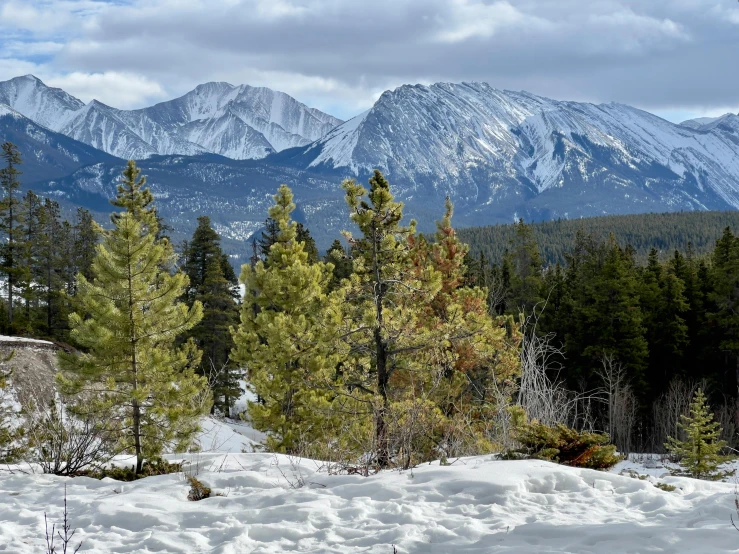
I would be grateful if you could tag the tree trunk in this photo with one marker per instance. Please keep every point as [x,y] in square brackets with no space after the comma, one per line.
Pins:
[137,436]
[383,448]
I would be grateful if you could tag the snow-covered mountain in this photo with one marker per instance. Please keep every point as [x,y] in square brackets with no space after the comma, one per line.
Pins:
[498,154]
[495,151]
[46,154]
[239,122]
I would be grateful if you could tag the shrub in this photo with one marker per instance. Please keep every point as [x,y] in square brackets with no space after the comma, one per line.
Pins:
[65,445]
[198,491]
[562,444]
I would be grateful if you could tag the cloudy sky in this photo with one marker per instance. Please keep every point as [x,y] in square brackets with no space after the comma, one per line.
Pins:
[677,58]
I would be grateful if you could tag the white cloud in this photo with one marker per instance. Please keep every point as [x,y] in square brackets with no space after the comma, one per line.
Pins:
[474,19]
[340,55]
[16,48]
[120,90]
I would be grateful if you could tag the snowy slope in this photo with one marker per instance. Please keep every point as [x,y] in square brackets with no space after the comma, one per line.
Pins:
[46,154]
[473,506]
[477,143]
[44,105]
[240,122]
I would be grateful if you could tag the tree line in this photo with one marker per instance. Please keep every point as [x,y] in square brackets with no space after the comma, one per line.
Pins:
[669,324]
[664,231]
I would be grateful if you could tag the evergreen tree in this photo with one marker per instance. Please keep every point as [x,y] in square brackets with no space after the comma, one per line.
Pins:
[127,322]
[286,338]
[213,284]
[412,329]
[338,257]
[524,291]
[725,296]
[204,247]
[55,250]
[31,207]
[477,352]
[11,225]
[699,454]
[268,237]
[604,315]
[86,237]
[663,306]
[309,245]
[213,336]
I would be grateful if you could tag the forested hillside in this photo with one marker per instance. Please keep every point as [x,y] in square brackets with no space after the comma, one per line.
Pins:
[665,232]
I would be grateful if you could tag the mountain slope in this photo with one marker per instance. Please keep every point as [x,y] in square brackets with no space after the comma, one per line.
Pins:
[501,153]
[240,122]
[46,154]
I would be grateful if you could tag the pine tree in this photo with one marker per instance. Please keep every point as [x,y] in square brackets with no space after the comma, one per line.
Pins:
[53,252]
[302,233]
[699,454]
[86,237]
[385,295]
[286,336]
[268,237]
[11,224]
[474,352]
[338,257]
[127,321]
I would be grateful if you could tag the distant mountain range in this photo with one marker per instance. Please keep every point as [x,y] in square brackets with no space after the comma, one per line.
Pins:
[221,150]
[237,122]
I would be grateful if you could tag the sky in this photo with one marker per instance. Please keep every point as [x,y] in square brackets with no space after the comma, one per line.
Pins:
[675,58]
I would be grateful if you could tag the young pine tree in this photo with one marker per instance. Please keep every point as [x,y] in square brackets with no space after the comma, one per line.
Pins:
[286,338]
[699,454]
[127,320]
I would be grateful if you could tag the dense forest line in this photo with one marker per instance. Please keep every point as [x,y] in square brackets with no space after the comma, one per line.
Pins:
[651,332]
[665,232]
[392,342]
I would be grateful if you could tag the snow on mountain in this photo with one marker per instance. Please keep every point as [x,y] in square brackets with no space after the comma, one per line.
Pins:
[7,110]
[46,154]
[239,122]
[99,125]
[45,105]
[476,143]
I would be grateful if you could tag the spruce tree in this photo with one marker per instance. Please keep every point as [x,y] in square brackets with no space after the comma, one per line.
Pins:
[213,284]
[127,320]
[342,262]
[700,453]
[86,237]
[725,296]
[11,224]
[268,237]
[524,261]
[286,338]
[309,245]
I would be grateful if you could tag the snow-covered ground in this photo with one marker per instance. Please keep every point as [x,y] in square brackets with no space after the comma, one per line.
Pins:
[269,504]
[476,505]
